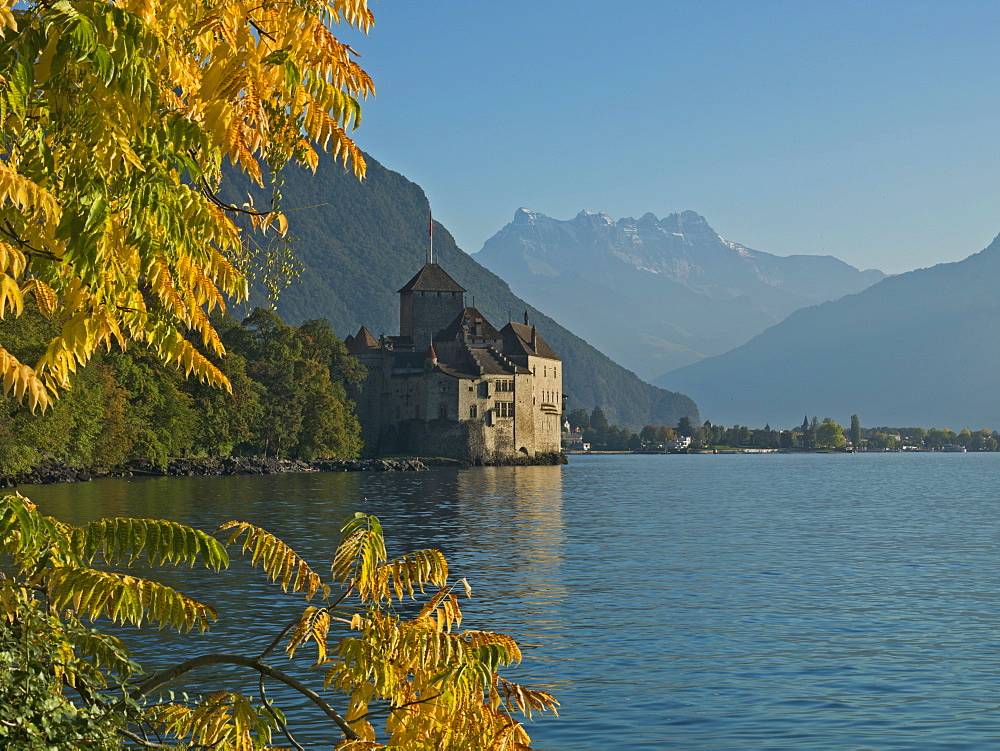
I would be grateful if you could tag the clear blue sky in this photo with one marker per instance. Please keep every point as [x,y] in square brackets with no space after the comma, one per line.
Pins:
[865,130]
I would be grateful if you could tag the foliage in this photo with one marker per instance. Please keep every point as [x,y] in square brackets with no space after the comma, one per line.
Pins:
[855,431]
[436,687]
[830,435]
[117,117]
[304,373]
[128,405]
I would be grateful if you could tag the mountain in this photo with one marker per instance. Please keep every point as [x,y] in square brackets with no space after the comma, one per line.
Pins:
[918,349]
[359,242]
[657,294]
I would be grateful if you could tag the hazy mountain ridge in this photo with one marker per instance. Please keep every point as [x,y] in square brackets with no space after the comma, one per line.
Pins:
[914,349]
[359,242]
[656,294]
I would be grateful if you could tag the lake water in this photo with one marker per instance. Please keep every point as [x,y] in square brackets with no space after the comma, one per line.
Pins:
[689,602]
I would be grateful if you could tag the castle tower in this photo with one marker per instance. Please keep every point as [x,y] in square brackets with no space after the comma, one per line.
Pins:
[428,303]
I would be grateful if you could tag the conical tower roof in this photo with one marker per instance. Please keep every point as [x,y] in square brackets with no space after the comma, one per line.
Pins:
[363,343]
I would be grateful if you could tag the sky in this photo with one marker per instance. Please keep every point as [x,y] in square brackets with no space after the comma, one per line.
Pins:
[865,130]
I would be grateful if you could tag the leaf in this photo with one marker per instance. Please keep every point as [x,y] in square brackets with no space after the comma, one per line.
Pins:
[280,563]
[125,599]
[124,540]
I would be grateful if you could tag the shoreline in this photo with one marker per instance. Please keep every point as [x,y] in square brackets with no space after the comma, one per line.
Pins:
[53,471]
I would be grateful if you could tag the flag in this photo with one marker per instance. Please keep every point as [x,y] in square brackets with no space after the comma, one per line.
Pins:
[430,230]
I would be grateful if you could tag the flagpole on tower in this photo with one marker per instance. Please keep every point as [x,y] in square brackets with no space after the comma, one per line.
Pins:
[430,231]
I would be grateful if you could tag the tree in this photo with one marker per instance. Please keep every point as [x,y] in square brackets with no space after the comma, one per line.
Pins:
[116,120]
[438,688]
[829,434]
[684,426]
[579,418]
[855,432]
[598,421]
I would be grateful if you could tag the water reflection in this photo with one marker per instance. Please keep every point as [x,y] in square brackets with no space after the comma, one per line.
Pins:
[513,519]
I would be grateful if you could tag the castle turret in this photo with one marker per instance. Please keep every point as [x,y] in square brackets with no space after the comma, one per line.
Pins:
[428,303]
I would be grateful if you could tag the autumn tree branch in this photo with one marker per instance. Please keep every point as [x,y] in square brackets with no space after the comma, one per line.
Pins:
[218,658]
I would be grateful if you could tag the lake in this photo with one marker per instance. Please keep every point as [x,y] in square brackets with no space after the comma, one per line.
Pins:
[691,602]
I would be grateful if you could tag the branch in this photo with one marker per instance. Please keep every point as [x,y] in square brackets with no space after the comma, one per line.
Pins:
[218,658]
[8,230]
[210,195]
[394,709]
[142,741]
[277,719]
[259,30]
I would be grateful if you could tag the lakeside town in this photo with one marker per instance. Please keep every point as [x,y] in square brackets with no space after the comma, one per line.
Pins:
[585,432]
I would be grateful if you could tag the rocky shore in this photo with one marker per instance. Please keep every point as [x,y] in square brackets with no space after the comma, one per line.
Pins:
[53,471]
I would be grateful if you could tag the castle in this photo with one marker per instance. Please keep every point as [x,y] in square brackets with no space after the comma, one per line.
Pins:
[452,385]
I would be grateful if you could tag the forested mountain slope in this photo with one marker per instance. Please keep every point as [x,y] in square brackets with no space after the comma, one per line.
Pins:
[360,242]
[921,348]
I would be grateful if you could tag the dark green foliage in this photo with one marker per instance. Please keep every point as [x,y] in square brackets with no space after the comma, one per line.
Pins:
[289,399]
[45,718]
[684,426]
[304,372]
[579,418]
[360,242]
[855,431]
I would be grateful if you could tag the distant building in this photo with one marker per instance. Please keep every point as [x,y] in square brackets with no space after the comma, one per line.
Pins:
[450,384]
[572,438]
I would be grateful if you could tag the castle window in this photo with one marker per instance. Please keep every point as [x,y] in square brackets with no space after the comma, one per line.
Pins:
[503,409]
[443,412]
[473,412]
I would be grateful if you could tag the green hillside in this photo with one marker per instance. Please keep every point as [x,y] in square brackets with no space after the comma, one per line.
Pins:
[360,242]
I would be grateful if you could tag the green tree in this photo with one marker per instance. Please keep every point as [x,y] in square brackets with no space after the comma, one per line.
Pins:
[228,419]
[160,415]
[684,427]
[935,439]
[598,421]
[579,418]
[855,432]
[829,434]
[649,435]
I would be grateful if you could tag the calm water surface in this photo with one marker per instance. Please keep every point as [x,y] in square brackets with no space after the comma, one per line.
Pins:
[689,602]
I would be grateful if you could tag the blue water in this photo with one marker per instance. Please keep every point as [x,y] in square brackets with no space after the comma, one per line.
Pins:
[689,602]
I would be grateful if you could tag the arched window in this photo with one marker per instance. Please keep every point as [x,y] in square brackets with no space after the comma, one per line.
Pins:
[473,412]
[443,411]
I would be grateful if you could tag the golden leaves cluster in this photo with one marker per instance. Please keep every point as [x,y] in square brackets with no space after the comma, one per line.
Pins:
[116,116]
[55,587]
[433,686]
[437,688]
